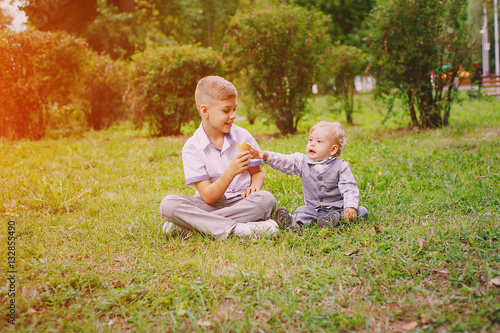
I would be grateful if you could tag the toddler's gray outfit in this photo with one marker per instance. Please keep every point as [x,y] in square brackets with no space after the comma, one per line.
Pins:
[328,185]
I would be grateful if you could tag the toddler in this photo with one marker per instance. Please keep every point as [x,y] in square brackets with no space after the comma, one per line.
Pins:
[330,190]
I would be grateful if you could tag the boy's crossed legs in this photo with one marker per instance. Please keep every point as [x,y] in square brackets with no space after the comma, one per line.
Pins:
[223,218]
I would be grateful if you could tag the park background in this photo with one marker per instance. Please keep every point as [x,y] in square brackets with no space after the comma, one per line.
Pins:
[97,101]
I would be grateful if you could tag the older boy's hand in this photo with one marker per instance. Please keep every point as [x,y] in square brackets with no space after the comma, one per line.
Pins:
[239,163]
[350,213]
[249,191]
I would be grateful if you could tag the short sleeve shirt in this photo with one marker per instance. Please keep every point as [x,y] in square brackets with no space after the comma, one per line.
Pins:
[203,160]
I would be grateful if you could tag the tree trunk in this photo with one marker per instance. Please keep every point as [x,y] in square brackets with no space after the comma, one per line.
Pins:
[411,107]
[284,122]
[350,98]
[449,99]
[430,116]
[346,91]
[95,120]
[447,106]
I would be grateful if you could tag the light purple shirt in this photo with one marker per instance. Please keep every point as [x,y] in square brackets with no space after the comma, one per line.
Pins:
[203,160]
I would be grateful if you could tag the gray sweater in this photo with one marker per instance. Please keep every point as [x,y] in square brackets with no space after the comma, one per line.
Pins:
[326,184]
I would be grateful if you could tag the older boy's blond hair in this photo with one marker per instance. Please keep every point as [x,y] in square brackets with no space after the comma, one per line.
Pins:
[336,131]
[211,89]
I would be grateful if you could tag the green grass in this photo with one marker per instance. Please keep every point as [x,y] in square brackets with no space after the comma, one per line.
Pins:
[90,252]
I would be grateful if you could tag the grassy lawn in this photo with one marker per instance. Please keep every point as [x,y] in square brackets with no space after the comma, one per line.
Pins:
[90,255]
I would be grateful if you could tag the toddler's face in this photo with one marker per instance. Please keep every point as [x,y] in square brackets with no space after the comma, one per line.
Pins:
[320,145]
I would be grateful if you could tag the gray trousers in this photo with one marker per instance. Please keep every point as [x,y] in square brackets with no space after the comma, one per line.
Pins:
[219,219]
[308,215]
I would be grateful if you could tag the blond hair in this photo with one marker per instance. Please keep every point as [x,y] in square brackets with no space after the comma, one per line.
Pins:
[213,88]
[336,131]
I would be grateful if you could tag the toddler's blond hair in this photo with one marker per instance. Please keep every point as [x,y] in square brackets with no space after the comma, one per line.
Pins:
[211,89]
[336,131]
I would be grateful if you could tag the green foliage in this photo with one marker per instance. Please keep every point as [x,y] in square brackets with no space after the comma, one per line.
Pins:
[121,34]
[110,28]
[104,23]
[278,51]
[201,22]
[411,40]
[344,64]
[113,32]
[163,83]
[181,21]
[347,16]
[103,87]
[39,70]
[70,16]
[177,20]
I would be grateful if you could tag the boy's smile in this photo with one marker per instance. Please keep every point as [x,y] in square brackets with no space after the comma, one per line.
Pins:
[219,116]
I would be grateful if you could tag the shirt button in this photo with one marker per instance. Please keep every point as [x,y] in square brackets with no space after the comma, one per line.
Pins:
[320,189]
[321,200]
[320,178]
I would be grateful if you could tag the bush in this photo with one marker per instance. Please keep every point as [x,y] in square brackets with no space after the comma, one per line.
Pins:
[412,41]
[163,82]
[39,71]
[104,84]
[279,51]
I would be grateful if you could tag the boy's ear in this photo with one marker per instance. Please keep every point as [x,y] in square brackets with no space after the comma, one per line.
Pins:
[204,111]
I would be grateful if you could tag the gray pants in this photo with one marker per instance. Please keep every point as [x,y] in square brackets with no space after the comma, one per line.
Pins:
[308,215]
[219,219]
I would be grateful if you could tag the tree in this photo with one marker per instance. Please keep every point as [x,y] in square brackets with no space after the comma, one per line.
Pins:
[344,64]
[113,32]
[346,15]
[102,90]
[191,21]
[163,82]
[279,51]
[419,48]
[216,15]
[109,25]
[64,15]
[39,70]
[123,27]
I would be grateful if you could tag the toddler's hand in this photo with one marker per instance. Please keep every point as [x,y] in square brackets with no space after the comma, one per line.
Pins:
[261,155]
[350,214]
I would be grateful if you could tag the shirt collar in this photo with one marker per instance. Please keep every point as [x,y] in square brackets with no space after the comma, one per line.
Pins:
[205,140]
[328,160]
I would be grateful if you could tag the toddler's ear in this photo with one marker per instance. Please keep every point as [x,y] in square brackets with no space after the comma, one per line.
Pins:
[334,151]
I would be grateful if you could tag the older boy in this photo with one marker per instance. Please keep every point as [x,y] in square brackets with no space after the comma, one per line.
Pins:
[330,190]
[229,199]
